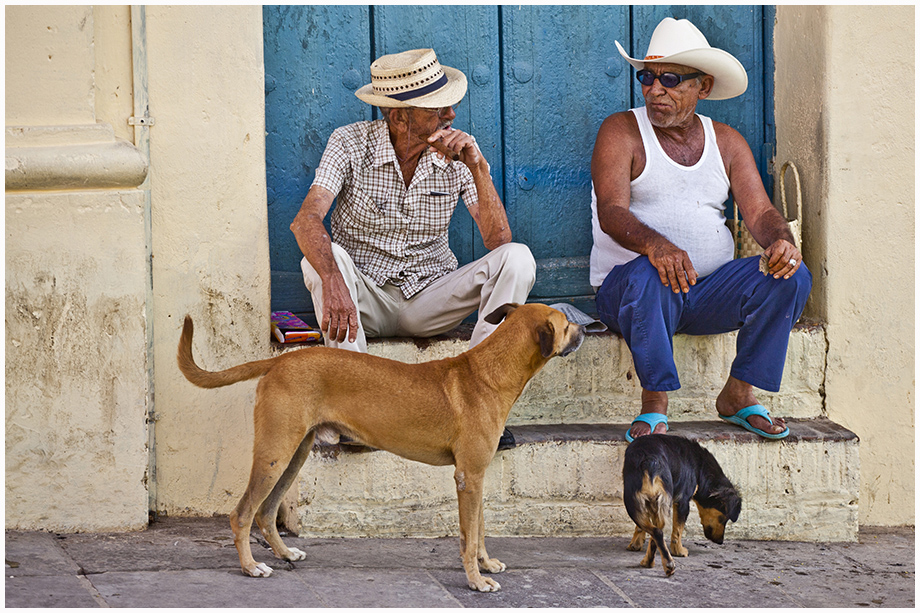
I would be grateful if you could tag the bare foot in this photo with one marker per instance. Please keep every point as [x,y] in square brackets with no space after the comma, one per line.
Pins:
[652,402]
[737,395]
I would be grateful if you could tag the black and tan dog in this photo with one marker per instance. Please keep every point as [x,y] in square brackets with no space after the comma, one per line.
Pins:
[661,474]
[443,412]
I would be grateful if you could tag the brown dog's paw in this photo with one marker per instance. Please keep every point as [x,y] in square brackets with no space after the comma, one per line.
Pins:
[485,585]
[491,565]
[259,570]
[294,555]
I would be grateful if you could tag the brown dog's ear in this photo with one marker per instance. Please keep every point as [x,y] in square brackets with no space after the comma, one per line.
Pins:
[496,316]
[547,338]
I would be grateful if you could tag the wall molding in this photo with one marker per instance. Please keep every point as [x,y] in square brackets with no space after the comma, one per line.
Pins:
[46,158]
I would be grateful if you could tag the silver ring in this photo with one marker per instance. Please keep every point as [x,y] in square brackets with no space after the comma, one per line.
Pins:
[792,262]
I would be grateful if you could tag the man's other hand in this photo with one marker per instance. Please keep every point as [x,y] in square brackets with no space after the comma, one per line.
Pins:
[783,259]
[674,267]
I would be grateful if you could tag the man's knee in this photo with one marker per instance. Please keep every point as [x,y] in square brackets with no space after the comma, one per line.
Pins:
[796,288]
[342,260]
[517,258]
[803,280]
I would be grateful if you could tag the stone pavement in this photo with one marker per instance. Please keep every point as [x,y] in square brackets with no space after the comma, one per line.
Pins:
[191,562]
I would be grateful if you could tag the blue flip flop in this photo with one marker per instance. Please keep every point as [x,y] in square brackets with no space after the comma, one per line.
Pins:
[652,419]
[740,419]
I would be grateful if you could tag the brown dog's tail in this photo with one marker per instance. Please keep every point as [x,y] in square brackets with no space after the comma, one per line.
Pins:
[208,379]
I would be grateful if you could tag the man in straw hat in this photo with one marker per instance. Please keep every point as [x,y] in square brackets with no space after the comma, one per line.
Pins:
[388,269]
[662,254]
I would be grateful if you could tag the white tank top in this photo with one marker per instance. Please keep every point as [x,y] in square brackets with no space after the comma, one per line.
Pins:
[685,204]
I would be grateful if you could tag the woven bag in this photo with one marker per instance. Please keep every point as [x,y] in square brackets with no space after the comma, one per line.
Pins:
[745,245]
[795,226]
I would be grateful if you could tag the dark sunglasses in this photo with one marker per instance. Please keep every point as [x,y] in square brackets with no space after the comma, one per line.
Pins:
[667,79]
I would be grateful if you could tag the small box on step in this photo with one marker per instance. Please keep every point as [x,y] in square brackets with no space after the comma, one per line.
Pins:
[288,328]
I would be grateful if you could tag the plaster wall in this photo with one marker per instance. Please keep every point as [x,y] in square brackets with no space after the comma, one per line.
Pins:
[76,371]
[850,128]
[210,243]
[50,51]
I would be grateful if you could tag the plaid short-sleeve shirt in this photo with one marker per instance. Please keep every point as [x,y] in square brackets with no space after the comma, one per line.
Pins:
[393,233]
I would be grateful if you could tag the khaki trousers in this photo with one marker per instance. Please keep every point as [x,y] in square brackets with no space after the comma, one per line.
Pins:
[505,274]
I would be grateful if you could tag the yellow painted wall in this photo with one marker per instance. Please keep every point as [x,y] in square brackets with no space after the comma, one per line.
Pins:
[210,238]
[76,383]
[849,125]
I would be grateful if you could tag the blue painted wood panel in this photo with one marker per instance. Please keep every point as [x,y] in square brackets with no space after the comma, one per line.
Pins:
[563,76]
[315,58]
[541,81]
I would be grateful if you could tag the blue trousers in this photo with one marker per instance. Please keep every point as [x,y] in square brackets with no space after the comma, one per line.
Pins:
[633,302]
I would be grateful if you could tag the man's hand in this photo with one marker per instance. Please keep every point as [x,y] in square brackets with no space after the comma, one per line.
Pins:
[674,266]
[783,259]
[340,316]
[461,143]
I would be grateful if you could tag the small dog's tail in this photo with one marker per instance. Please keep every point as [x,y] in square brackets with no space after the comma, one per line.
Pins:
[208,379]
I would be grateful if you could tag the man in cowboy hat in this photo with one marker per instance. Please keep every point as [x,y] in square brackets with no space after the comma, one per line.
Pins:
[662,255]
[387,270]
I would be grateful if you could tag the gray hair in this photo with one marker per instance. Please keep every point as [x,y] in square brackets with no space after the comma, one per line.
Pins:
[385,113]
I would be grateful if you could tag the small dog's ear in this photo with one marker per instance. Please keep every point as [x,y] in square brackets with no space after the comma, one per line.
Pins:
[496,316]
[547,338]
[732,503]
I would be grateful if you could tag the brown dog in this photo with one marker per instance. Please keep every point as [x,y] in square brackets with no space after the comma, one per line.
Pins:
[449,411]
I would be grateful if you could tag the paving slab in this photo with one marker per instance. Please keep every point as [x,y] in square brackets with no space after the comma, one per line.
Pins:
[192,563]
[349,587]
[539,587]
[177,544]
[36,553]
[49,591]
[202,588]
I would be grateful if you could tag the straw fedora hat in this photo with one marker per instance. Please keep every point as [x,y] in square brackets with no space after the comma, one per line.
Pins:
[680,42]
[413,78]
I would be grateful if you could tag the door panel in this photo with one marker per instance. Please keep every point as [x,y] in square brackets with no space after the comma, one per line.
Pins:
[541,81]
[563,76]
[315,57]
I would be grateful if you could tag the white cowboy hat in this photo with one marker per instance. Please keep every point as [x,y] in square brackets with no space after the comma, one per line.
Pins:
[413,78]
[680,42]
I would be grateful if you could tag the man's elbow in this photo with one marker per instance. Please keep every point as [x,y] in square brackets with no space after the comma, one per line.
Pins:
[297,226]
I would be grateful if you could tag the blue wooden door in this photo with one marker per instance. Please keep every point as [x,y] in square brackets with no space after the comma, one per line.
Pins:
[541,81]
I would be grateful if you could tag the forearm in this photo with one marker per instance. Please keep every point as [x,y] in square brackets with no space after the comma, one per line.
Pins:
[493,221]
[769,227]
[311,235]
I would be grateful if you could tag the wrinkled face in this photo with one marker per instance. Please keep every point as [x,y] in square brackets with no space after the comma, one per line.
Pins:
[426,121]
[713,522]
[674,106]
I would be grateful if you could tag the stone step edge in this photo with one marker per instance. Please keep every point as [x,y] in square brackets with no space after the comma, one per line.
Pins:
[463,333]
[817,429]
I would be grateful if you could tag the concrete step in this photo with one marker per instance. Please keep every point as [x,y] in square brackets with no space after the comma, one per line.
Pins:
[598,384]
[565,480]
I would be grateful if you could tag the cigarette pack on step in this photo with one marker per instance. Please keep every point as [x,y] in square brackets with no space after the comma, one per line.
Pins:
[288,328]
